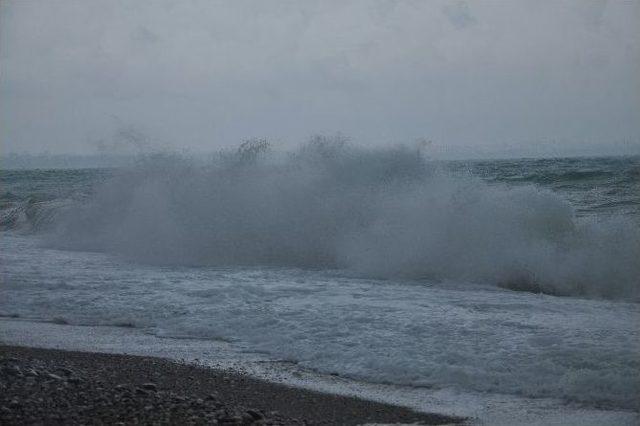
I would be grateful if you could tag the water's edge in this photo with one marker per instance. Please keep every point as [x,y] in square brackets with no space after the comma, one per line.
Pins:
[479,408]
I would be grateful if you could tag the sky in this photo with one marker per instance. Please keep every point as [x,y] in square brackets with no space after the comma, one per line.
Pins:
[477,78]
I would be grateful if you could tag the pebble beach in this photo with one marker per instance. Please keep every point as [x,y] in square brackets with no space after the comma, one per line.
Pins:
[54,387]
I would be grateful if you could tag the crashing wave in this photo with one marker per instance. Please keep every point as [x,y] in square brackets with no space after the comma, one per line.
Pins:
[380,213]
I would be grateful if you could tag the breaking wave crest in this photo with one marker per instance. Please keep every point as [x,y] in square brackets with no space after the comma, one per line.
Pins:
[379,213]
[29,215]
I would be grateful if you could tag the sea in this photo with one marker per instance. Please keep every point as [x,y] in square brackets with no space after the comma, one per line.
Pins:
[506,291]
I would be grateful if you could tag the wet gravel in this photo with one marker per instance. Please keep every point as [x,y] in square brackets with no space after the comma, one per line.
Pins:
[53,387]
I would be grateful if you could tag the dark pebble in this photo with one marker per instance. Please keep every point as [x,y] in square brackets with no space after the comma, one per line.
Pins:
[65,371]
[53,376]
[150,386]
[255,415]
[12,370]
[31,372]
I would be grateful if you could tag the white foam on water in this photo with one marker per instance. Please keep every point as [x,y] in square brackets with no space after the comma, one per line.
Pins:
[491,348]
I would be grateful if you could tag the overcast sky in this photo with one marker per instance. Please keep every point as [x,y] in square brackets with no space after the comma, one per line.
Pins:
[481,76]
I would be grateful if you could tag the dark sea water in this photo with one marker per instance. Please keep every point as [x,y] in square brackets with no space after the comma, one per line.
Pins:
[515,277]
[592,185]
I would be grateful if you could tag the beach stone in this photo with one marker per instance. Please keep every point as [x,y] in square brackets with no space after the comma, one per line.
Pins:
[255,415]
[12,370]
[31,372]
[150,386]
[65,371]
[53,376]
[247,418]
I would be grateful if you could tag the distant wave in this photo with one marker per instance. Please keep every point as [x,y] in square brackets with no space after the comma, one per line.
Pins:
[564,176]
[378,213]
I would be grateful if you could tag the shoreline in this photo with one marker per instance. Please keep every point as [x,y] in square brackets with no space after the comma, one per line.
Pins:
[54,386]
[474,408]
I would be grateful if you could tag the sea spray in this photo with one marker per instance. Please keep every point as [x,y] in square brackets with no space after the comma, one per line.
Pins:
[383,212]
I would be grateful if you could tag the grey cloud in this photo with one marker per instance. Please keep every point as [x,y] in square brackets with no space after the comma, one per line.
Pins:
[207,74]
[144,35]
[459,14]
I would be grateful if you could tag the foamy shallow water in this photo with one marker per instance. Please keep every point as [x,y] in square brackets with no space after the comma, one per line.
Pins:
[548,356]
